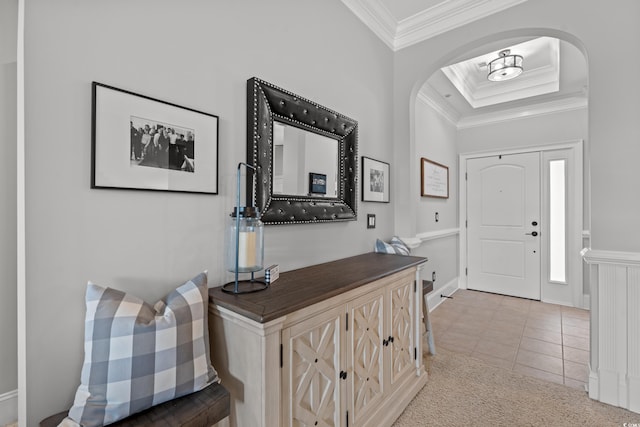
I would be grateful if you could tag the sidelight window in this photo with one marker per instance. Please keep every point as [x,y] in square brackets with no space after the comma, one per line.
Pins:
[557,221]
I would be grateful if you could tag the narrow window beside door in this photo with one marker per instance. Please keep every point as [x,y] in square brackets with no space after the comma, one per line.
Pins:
[557,221]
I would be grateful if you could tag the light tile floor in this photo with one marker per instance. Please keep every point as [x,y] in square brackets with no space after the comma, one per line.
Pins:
[542,340]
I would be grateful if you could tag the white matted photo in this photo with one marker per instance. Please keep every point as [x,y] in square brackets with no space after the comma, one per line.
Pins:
[375,180]
[144,143]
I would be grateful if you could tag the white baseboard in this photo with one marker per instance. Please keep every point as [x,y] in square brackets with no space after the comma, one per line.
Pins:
[593,385]
[8,407]
[435,298]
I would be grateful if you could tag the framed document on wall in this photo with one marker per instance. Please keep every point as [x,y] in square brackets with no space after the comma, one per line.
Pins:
[434,179]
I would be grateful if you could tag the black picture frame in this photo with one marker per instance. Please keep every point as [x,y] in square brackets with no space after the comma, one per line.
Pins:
[375,180]
[317,183]
[142,143]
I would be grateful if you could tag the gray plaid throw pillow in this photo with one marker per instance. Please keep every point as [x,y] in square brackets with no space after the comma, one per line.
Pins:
[396,246]
[138,356]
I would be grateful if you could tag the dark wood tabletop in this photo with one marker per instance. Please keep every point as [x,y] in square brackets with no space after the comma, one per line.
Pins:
[297,289]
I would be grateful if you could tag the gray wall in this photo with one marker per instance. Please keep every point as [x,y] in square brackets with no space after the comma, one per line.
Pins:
[613,102]
[8,30]
[193,53]
[565,126]
[435,139]
[8,272]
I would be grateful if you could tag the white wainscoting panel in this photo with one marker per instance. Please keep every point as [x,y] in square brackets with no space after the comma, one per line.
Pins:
[615,331]
[435,298]
[633,344]
[8,407]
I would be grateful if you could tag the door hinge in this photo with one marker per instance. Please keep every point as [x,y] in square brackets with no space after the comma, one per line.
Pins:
[347,321]
[466,271]
[415,353]
[415,286]
[281,355]
[466,176]
[466,223]
[347,418]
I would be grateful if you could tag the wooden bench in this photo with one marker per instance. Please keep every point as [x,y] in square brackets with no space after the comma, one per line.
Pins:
[200,409]
[427,286]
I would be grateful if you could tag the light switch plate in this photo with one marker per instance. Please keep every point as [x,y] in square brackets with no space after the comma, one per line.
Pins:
[371,221]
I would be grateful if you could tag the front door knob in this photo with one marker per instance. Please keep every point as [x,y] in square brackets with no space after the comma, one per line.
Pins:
[533,233]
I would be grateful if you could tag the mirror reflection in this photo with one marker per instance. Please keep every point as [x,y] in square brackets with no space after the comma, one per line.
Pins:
[304,163]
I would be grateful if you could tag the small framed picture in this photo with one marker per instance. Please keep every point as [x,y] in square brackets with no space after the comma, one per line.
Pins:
[375,180]
[143,143]
[317,183]
[434,180]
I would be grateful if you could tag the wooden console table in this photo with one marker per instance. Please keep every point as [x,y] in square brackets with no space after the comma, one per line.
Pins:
[331,344]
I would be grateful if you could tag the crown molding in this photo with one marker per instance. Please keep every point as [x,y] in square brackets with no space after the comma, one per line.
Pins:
[430,97]
[444,17]
[428,23]
[377,17]
[551,107]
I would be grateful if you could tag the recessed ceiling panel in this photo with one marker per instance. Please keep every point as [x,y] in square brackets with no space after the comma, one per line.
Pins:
[541,74]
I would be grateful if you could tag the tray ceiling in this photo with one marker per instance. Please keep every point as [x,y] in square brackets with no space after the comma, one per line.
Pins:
[555,76]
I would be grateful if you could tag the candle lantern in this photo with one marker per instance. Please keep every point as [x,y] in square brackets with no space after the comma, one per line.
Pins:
[245,226]
[245,245]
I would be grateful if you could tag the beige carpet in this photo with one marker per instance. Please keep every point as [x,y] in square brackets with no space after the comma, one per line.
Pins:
[463,391]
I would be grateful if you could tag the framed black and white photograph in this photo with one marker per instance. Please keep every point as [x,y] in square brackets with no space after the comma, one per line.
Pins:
[143,143]
[434,179]
[317,183]
[375,180]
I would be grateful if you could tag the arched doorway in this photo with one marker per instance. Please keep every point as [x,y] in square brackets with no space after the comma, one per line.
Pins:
[498,133]
[557,118]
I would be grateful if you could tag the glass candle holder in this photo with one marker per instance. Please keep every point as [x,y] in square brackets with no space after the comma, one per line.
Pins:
[245,241]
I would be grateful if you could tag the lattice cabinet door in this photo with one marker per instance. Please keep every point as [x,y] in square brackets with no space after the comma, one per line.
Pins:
[312,367]
[401,307]
[365,342]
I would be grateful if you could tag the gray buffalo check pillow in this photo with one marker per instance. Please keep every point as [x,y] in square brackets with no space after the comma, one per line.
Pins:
[138,356]
[395,246]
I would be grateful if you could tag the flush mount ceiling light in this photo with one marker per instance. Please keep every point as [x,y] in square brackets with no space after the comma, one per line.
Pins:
[505,67]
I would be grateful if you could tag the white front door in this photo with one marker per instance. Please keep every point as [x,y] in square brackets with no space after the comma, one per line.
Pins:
[503,224]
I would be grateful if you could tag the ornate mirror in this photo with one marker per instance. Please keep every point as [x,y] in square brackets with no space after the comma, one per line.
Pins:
[305,158]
